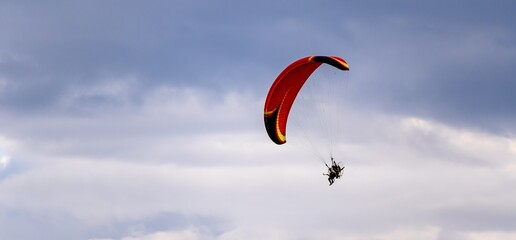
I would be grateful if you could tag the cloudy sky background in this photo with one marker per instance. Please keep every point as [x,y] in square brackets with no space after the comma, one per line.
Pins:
[143,120]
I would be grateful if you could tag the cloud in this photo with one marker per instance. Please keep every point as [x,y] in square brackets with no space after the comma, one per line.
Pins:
[168,123]
[401,173]
[4,161]
[184,235]
[405,60]
[6,146]
[145,121]
[491,235]
[452,73]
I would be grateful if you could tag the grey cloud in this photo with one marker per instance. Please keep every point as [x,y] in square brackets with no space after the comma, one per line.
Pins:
[137,100]
[476,217]
[205,43]
[168,123]
[63,226]
[457,75]
[66,45]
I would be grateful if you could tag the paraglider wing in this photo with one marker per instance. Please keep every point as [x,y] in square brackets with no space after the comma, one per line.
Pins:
[285,88]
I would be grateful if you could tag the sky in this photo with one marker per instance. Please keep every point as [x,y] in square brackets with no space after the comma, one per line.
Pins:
[144,120]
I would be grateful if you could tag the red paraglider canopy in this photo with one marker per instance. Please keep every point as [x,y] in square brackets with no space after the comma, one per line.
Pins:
[285,88]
